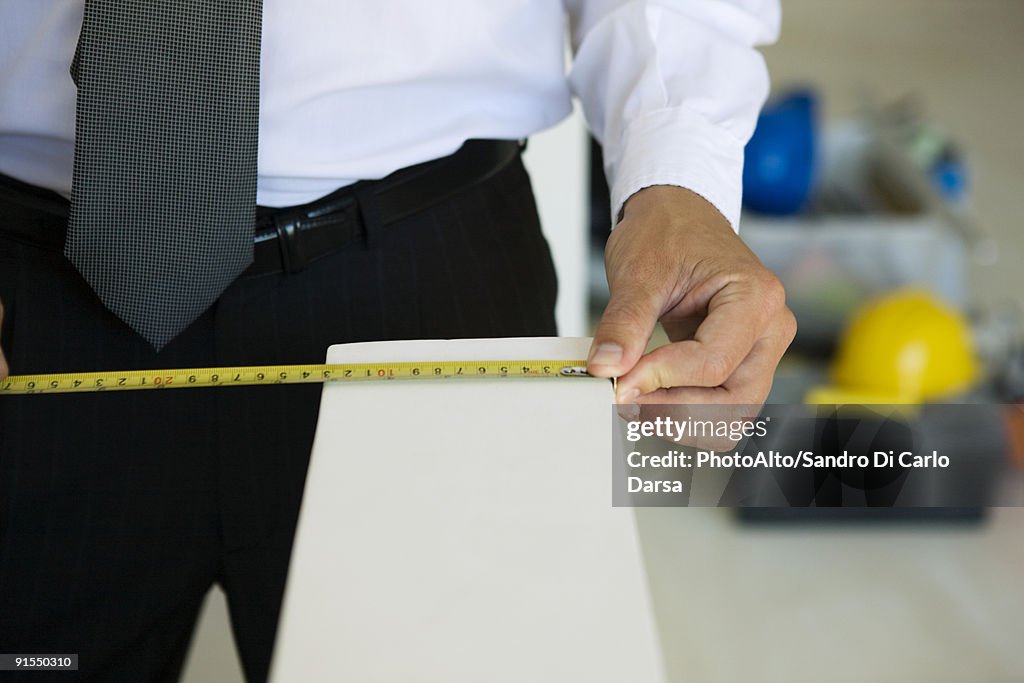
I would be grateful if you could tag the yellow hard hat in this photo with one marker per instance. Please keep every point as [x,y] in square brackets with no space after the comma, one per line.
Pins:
[906,347]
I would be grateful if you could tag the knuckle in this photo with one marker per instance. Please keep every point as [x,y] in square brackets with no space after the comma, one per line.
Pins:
[789,326]
[772,291]
[660,378]
[714,370]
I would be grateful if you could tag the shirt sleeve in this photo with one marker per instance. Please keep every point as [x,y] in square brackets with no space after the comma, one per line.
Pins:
[672,89]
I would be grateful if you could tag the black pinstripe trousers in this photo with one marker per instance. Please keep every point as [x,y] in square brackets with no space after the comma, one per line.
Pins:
[118,511]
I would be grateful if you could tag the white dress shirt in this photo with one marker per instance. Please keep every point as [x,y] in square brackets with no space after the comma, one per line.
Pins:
[355,89]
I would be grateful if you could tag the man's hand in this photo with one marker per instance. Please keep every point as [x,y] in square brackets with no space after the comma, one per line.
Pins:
[3,361]
[674,258]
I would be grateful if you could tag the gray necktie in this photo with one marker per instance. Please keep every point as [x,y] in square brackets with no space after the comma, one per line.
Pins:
[164,189]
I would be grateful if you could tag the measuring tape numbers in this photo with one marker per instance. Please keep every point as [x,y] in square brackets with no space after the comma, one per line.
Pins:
[189,378]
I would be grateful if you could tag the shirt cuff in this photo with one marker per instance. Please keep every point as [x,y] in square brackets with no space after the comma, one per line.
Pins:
[677,146]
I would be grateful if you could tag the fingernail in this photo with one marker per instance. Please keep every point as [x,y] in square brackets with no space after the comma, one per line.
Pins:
[606,354]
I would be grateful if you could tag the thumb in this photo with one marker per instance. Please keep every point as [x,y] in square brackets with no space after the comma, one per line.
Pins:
[624,330]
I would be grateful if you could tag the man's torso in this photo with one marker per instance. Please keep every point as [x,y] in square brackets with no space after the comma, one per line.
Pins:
[349,90]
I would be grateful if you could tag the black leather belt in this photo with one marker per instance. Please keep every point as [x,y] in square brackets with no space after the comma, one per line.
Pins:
[286,239]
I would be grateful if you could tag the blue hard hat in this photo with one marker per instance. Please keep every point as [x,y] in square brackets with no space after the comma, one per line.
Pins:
[779,160]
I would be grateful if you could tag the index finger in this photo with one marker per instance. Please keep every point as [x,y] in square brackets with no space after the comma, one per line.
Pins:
[734,323]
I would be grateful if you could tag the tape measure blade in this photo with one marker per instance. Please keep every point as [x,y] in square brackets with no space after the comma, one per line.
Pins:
[183,378]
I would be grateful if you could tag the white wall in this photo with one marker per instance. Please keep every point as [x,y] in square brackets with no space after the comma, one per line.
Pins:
[557,161]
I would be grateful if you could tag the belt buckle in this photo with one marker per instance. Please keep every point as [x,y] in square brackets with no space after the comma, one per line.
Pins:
[288,226]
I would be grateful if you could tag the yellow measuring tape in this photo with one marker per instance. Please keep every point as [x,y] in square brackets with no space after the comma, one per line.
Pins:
[186,378]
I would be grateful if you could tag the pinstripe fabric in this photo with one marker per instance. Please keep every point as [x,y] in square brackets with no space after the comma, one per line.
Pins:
[117,512]
[164,183]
